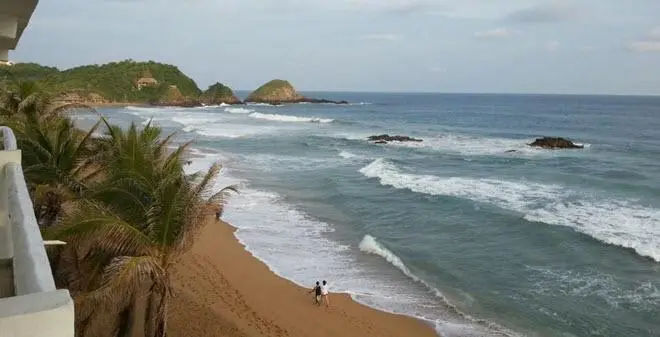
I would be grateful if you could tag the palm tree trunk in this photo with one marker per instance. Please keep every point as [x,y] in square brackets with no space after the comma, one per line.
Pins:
[139,318]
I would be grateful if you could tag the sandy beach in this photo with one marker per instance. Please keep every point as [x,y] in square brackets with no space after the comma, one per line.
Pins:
[222,290]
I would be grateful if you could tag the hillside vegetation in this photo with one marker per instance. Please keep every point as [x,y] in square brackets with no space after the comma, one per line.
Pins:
[275,91]
[219,93]
[115,81]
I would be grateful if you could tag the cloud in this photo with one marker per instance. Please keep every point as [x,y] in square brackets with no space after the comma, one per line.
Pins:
[391,6]
[438,70]
[553,45]
[383,37]
[497,33]
[651,44]
[655,33]
[542,13]
[645,46]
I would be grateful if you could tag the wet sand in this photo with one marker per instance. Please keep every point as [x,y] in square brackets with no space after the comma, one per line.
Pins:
[222,290]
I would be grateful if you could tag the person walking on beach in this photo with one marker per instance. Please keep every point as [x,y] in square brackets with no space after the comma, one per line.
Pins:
[324,294]
[317,293]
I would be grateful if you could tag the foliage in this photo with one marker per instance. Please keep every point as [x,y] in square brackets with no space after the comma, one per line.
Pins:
[271,87]
[123,204]
[144,213]
[27,71]
[114,81]
[217,92]
[54,152]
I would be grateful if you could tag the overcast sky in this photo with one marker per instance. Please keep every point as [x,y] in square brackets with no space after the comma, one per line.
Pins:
[501,46]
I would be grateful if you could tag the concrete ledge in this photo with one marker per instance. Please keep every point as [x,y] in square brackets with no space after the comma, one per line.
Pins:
[32,273]
[9,155]
[8,27]
[8,139]
[37,315]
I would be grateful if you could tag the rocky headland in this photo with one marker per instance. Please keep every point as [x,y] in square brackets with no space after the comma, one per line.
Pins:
[217,94]
[129,82]
[278,92]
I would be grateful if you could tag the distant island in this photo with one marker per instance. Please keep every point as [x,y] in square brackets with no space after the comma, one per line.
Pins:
[282,92]
[143,83]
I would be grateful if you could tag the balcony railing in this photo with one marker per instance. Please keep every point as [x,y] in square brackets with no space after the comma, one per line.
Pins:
[30,304]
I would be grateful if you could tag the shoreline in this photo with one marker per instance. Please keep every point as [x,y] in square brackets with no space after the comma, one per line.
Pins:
[221,289]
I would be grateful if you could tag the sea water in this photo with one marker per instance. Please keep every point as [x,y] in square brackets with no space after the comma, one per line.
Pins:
[471,230]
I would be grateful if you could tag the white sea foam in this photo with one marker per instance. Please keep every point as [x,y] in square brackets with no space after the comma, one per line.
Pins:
[287,118]
[475,146]
[555,281]
[468,145]
[141,109]
[238,110]
[270,163]
[296,246]
[348,155]
[618,222]
[217,125]
[234,130]
[264,104]
[371,246]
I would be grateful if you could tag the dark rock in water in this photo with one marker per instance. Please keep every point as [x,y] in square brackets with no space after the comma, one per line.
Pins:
[320,101]
[555,143]
[510,151]
[381,142]
[388,138]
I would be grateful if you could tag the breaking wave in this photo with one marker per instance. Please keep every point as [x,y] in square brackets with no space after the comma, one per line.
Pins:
[613,221]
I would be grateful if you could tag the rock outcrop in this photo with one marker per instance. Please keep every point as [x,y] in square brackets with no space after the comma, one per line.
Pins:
[217,94]
[555,143]
[173,97]
[282,92]
[383,139]
[275,92]
[80,97]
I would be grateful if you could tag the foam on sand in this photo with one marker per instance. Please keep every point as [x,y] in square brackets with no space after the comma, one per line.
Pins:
[618,222]
[295,246]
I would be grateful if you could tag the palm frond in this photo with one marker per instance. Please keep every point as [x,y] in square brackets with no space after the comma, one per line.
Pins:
[112,235]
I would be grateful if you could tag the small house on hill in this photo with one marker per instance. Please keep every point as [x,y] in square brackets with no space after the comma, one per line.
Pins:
[147,80]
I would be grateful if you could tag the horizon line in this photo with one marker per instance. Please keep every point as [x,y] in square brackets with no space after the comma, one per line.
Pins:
[468,93]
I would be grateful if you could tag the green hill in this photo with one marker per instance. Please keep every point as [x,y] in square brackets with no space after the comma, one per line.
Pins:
[115,81]
[219,93]
[275,91]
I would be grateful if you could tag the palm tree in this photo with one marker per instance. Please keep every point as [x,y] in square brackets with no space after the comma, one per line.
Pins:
[58,163]
[56,155]
[130,229]
[19,98]
[27,100]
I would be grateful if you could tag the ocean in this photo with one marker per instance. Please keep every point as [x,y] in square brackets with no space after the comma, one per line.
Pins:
[456,230]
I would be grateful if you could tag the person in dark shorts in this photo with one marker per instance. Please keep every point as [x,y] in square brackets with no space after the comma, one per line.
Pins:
[317,293]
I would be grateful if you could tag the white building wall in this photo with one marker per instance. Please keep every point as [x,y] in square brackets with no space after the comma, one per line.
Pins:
[39,309]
